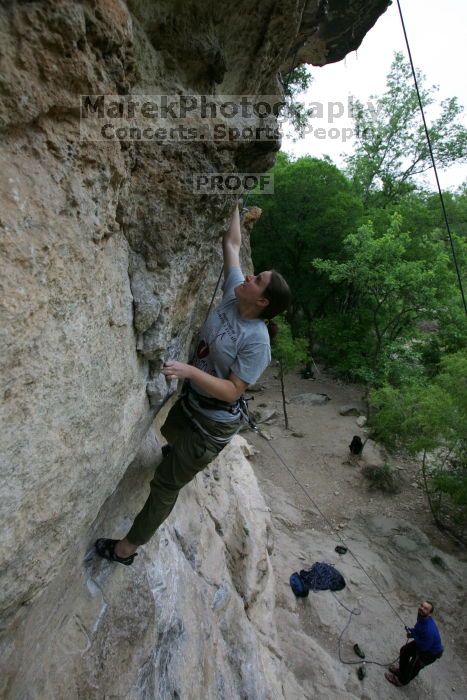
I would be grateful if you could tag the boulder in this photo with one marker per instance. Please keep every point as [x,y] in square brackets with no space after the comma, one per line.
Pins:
[256,388]
[310,399]
[349,410]
[374,454]
[263,414]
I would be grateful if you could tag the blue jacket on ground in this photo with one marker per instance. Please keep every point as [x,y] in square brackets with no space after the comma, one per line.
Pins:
[426,635]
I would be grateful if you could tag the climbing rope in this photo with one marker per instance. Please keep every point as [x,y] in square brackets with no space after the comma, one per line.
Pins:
[214,294]
[353,611]
[335,532]
[446,221]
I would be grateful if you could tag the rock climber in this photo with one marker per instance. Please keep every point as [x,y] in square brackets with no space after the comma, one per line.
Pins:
[422,651]
[233,351]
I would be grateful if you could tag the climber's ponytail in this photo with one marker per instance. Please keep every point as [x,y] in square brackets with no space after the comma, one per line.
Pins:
[278,294]
[273,330]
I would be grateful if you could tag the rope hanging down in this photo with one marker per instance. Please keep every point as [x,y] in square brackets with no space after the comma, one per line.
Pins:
[333,530]
[448,228]
[352,611]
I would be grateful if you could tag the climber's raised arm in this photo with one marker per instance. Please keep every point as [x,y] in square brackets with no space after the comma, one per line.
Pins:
[231,243]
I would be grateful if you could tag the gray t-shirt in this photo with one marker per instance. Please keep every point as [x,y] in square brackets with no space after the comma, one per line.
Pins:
[228,343]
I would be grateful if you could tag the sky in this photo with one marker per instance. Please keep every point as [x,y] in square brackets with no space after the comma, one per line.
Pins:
[437,33]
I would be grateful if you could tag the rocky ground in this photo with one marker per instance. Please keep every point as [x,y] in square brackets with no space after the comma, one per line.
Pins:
[317,498]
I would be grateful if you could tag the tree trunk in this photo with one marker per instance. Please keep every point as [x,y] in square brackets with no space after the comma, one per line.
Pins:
[284,408]
[427,490]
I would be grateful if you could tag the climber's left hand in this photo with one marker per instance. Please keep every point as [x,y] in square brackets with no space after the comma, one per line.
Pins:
[176,370]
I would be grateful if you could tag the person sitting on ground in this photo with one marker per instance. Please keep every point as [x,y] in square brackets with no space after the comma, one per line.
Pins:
[425,648]
[232,352]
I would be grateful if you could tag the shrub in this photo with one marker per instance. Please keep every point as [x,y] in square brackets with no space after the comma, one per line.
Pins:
[382,478]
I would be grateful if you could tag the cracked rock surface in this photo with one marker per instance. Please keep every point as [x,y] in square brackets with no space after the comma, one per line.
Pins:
[192,617]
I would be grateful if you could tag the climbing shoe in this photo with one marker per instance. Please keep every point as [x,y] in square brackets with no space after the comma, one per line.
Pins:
[106,549]
[361,672]
[358,651]
[392,679]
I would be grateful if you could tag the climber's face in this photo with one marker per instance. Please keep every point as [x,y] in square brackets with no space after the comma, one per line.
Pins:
[252,289]
[425,609]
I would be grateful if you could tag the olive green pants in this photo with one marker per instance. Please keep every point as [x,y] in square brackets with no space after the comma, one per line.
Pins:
[191,452]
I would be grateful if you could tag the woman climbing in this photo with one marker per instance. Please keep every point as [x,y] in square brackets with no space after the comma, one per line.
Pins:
[233,351]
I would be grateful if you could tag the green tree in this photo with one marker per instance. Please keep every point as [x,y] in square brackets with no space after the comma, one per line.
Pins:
[289,352]
[382,290]
[296,112]
[391,142]
[421,211]
[431,418]
[422,219]
[312,210]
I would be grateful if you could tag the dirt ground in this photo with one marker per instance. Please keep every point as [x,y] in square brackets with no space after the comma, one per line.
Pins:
[320,459]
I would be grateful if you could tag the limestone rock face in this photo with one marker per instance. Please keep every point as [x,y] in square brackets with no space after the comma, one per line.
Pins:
[109,259]
[193,617]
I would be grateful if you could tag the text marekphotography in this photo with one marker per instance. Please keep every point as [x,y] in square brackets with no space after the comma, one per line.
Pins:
[217,118]
[181,118]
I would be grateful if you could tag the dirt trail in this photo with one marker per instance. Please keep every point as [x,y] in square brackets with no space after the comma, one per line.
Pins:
[320,459]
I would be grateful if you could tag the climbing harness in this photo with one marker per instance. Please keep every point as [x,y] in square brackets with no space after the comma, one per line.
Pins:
[214,439]
[209,402]
[239,408]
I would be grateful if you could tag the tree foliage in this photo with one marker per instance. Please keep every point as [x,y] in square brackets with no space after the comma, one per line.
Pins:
[384,290]
[391,143]
[371,271]
[312,210]
[296,113]
[425,415]
[431,418]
